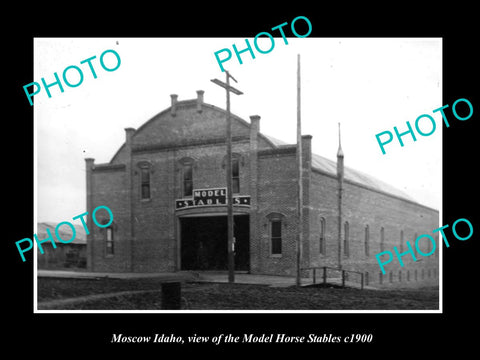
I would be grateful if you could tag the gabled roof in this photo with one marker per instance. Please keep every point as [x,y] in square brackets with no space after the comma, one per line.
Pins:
[319,163]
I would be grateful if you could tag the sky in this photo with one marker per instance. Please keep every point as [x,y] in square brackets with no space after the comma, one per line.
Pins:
[369,85]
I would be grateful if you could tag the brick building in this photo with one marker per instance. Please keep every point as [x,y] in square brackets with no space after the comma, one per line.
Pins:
[166,189]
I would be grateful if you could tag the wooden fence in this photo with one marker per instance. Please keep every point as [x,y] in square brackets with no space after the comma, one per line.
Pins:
[344,274]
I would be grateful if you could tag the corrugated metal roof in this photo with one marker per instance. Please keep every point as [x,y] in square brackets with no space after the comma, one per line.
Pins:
[330,167]
[275,141]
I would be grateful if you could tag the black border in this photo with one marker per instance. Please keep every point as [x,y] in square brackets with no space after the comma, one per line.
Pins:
[91,333]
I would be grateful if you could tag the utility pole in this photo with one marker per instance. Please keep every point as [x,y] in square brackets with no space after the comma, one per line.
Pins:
[340,175]
[231,254]
[300,178]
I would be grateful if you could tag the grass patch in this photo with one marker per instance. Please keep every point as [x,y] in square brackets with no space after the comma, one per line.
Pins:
[61,288]
[207,296]
[254,297]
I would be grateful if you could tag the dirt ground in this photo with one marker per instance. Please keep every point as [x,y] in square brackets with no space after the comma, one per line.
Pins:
[214,296]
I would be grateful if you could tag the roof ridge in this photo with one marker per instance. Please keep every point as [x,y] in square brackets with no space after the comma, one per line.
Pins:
[358,176]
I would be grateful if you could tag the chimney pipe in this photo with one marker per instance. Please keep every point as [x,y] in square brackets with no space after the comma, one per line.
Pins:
[128,134]
[200,100]
[255,122]
[173,110]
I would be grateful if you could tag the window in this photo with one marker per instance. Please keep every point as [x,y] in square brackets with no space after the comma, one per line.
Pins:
[186,166]
[187,179]
[237,160]
[367,240]
[401,241]
[416,235]
[346,240]
[322,245]
[145,182]
[429,246]
[235,175]
[276,236]
[144,169]
[109,242]
[274,225]
[382,239]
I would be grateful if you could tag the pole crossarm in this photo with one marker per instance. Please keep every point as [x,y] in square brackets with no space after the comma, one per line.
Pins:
[227,87]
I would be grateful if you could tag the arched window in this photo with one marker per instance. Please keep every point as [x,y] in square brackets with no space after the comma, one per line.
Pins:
[367,240]
[382,239]
[276,220]
[429,247]
[187,179]
[321,240]
[401,241]
[109,248]
[346,239]
[145,170]
[235,175]
[237,161]
[186,182]
[276,236]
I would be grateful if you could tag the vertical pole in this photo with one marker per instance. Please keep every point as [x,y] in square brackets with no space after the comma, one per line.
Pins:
[90,245]
[314,273]
[361,281]
[231,260]
[340,193]
[324,275]
[343,278]
[300,185]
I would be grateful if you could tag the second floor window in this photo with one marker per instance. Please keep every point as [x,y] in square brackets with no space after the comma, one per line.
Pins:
[382,239]
[187,179]
[235,175]
[145,183]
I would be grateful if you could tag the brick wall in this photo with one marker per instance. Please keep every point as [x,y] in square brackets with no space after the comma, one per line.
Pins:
[146,232]
[396,216]
[277,193]
[109,190]
[362,207]
[147,235]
